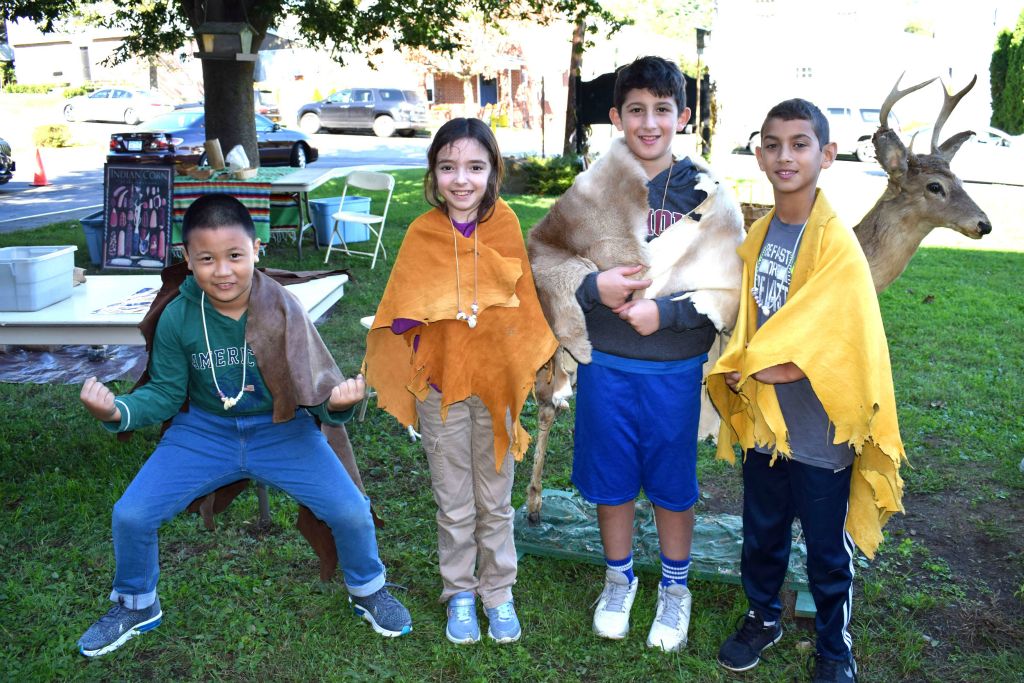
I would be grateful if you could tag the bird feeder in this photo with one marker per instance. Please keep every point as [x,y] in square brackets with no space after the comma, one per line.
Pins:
[226,40]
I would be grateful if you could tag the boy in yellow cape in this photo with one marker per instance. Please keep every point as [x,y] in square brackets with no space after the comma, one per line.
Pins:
[805,388]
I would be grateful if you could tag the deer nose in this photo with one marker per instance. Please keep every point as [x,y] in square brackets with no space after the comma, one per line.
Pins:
[984,228]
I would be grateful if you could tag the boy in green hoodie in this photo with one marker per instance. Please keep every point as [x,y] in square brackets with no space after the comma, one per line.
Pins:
[201,354]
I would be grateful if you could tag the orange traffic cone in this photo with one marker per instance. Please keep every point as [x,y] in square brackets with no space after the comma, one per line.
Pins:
[40,177]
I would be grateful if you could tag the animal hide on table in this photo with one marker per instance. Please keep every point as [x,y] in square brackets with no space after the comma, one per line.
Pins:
[601,222]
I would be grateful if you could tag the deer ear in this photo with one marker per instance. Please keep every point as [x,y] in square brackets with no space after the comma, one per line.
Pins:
[890,152]
[950,147]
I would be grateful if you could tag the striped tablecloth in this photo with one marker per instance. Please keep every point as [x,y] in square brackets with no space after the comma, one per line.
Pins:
[254,193]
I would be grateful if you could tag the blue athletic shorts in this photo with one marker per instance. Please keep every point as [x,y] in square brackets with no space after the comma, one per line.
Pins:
[636,427]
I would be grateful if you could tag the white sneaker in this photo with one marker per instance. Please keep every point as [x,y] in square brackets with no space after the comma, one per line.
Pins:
[611,618]
[672,620]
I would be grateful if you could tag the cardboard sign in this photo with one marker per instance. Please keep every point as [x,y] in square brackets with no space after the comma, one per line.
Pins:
[137,210]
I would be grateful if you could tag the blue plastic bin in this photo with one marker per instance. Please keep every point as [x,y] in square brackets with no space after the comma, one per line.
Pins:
[92,225]
[323,209]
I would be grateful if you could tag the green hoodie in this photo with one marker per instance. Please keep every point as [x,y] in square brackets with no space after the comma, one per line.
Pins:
[179,368]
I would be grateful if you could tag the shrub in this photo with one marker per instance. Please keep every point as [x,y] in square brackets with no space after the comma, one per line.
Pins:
[83,89]
[36,89]
[52,135]
[534,175]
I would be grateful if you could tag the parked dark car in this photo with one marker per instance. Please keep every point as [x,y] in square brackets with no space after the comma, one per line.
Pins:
[264,103]
[382,110]
[6,162]
[180,134]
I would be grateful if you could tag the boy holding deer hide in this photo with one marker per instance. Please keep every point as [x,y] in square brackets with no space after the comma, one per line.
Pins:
[805,388]
[638,212]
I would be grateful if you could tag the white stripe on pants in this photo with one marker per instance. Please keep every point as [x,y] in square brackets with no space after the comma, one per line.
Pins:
[476,549]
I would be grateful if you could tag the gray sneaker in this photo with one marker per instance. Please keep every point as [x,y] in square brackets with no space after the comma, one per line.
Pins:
[503,624]
[463,627]
[385,613]
[117,627]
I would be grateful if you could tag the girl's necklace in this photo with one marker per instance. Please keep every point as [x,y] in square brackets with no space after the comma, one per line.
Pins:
[474,309]
[229,402]
[789,271]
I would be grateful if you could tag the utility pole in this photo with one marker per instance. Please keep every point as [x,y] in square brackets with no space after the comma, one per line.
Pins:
[701,35]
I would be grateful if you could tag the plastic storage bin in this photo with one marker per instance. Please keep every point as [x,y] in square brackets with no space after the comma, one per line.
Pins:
[92,226]
[35,277]
[322,209]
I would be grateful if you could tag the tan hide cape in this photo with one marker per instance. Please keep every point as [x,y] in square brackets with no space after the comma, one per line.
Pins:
[496,361]
[830,327]
[601,222]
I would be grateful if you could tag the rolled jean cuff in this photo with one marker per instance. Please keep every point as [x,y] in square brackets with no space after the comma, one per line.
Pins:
[139,601]
[368,588]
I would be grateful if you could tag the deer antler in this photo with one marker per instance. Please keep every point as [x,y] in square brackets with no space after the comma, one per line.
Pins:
[949,103]
[895,96]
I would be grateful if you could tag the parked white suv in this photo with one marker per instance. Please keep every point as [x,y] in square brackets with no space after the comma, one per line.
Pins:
[850,128]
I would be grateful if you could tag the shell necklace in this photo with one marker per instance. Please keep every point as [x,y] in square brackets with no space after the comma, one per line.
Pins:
[474,309]
[229,402]
[789,271]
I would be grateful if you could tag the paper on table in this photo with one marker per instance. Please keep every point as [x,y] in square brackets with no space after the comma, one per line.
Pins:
[138,302]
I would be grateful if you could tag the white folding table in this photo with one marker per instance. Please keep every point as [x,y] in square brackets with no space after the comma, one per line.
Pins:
[300,183]
[75,320]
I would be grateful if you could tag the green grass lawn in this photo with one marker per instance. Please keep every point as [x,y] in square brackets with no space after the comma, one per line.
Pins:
[246,604]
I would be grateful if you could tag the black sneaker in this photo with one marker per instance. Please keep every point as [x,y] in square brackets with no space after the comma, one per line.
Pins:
[742,650]
[117,627]
[385,613]
[833,671]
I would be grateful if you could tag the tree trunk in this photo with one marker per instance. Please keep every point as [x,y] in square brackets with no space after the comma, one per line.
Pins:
[575,63]
[229,106]
[468,101]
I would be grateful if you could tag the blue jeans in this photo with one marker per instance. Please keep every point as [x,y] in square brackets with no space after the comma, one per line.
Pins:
[202,452]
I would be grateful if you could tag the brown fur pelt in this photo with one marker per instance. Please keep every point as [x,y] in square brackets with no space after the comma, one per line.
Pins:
[601,222]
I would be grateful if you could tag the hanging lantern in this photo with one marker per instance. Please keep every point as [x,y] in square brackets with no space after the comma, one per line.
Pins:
[228,40]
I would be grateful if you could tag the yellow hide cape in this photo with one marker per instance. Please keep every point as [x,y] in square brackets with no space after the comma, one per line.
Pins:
[497,360]
[831,328]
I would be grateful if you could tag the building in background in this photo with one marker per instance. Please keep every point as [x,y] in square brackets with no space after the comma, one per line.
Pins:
[849,53]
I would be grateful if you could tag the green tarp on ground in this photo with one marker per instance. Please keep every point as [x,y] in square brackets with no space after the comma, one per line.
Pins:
[568,530]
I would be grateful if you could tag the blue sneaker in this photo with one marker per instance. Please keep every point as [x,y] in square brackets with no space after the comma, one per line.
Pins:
[117,627]
[385,613]
[503,626]
[463,627]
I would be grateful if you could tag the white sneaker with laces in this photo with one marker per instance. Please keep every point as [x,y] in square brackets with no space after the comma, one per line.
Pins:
[672,620]
[611,618]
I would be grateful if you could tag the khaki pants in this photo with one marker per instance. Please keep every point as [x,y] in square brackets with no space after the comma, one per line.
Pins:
[475,547]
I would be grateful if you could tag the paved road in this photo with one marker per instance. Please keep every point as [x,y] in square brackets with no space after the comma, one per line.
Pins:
[76,179]
[76,174]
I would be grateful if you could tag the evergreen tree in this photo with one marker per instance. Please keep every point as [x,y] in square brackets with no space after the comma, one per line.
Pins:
[1006,75]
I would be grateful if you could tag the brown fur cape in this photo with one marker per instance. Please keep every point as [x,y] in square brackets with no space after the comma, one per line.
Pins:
[601,222]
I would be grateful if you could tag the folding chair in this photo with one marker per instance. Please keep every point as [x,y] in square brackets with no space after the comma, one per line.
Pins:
[364,180]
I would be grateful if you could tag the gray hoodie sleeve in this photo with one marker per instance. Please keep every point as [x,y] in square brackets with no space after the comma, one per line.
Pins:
[587,295]
[679,316]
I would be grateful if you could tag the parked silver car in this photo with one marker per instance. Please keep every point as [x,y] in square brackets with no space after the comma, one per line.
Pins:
[116,104]
[382,110]
[989,156]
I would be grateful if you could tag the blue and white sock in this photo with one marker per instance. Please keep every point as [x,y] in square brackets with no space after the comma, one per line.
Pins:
[624,567]
[674,571]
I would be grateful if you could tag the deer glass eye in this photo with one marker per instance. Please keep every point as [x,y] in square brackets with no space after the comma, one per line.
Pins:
[936,188]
